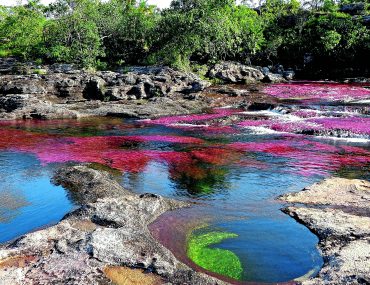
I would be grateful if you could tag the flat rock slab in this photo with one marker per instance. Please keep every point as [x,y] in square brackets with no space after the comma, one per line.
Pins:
[350,194]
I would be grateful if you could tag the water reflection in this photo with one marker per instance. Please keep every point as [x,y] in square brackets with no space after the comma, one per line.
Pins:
[28,200]
[11,203]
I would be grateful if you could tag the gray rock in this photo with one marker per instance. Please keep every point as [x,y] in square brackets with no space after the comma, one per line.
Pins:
[338,212]
[265,70]
[353,8]
[235,72]
[273,78]
[289,74]
[77,94]
[87,184]
[21,86]
[94,89]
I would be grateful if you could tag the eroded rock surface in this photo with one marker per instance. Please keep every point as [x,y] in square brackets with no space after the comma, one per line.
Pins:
[340,193]
[338,213]
[103,233]
[61,91]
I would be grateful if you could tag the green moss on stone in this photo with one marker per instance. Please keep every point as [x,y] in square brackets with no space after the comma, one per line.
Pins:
[218,260]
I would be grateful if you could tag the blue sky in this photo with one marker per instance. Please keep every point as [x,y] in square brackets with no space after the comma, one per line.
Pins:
[159,3]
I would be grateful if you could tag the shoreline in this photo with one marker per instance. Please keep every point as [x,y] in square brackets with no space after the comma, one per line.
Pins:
[108,234]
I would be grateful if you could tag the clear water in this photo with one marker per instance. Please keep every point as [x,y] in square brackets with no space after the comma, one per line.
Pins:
[232,173]
[28,200]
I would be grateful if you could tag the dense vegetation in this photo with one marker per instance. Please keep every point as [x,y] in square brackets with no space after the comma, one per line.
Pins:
[101,34]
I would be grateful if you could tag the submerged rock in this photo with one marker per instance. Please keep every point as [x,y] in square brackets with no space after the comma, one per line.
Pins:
[338,212]
[106,232]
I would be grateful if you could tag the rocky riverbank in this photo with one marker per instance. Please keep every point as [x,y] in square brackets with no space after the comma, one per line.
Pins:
[100,242]
[337,211]
[62,91]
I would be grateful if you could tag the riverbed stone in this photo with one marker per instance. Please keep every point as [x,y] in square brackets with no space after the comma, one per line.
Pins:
[336,210]
[66,92]
[235,72]
[350,195]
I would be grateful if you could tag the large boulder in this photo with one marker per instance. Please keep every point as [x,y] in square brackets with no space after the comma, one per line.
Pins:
[234,72]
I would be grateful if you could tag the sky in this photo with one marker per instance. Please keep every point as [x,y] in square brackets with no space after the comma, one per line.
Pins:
[159,3]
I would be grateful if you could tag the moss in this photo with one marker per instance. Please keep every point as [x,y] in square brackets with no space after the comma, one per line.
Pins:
[221,261]
[4,52]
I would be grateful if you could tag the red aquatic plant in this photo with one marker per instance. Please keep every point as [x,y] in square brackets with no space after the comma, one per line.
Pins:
[317,91]
[356,125]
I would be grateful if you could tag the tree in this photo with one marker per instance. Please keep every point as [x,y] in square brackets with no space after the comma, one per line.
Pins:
[74,36]
[21,29]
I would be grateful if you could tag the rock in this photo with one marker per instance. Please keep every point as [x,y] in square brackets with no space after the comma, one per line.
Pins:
[289,74]
[123,275]
[7,65]
[273,78]
[94,89]
[62,68]
[11,103]
[353,8]
[232,92]
[338,213]
[257,106]
[265,70]
[353,195]
[279,69]
[21,87]
[366,20]
[110,232]
[235,72]
[130,78]
[331,223]
[87,184]
[66,92]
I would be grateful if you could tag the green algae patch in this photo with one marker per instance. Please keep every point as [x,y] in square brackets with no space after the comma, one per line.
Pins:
[217,260]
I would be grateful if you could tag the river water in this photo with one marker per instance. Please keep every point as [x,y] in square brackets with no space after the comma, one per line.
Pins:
[230,163]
